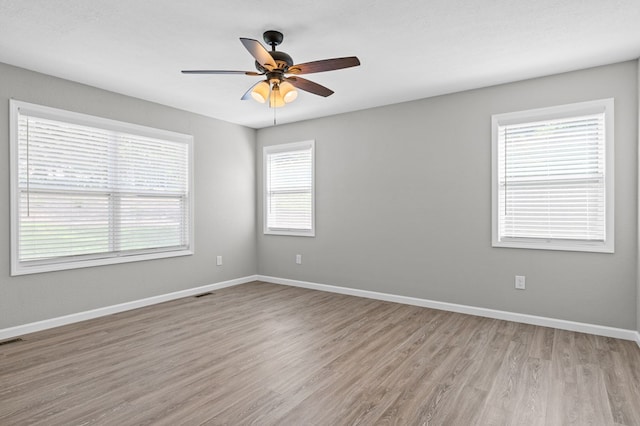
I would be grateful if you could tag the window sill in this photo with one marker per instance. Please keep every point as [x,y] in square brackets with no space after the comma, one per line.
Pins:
[36,268]
[291,233]
[560,245]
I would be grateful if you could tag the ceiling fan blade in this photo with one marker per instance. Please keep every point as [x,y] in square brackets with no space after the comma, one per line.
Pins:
[247,94]
[309,86]
[324,65]
[219,72]
[258,51]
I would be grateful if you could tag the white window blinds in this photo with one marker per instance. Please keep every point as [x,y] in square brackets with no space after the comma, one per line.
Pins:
[289,189]
[552,180]
[87,191]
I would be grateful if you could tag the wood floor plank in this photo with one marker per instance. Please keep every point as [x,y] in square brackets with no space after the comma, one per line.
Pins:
[542,344]
[623,393]
[531,408]
[273,355]
[564,356]
[563,404]
[594,401]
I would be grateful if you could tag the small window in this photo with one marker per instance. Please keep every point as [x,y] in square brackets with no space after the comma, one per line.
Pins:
[289,189]
[87,191]
[553,178]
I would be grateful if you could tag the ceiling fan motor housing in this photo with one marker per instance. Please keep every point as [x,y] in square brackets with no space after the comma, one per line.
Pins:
[283,61]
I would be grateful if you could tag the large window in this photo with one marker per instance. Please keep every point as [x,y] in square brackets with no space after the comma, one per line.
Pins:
[87,191]
[289,189]
[553,178]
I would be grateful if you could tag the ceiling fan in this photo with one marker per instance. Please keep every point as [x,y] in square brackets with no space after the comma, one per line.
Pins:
[278,87]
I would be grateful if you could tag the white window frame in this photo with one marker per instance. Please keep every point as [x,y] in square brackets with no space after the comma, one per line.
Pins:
[557,112]
[107,258]
[295,146]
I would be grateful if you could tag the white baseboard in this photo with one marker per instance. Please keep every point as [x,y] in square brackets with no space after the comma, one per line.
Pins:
[599,330]
[20,330]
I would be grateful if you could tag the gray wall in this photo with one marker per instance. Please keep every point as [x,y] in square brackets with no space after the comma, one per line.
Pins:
[403,205]
[638,171]
[224,159]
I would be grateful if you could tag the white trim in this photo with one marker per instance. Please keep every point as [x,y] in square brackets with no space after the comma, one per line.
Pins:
[104,258]
[8,333]
[619,333]
[92,261]
[599,330]
[286,147]
[605,106]
[51,113]
[638,220]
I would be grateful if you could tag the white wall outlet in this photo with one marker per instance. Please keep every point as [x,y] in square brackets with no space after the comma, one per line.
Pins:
[299,259]
[520,282]
[218,260]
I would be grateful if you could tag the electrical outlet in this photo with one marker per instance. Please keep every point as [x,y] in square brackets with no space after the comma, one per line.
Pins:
[299,259]
[218,260]
[520,285]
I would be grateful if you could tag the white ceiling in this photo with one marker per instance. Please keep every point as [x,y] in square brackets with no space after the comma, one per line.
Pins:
[409,49]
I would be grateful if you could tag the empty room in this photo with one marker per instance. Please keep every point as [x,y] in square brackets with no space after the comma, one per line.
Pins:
[319,213]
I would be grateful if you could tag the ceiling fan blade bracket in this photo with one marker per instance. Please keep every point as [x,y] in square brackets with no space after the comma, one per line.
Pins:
[324,65]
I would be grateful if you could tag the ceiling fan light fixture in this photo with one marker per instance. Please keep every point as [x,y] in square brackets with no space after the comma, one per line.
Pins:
[288,92]
[274,65]
[261,92]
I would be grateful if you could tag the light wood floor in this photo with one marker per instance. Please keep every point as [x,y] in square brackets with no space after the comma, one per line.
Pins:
[273,355]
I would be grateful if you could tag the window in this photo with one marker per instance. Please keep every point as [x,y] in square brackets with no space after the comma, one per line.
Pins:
[553,178]
[289,189]
[87,191]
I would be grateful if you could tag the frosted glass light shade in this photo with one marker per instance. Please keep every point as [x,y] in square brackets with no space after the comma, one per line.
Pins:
[288,91]
[275,99]
[261,92]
